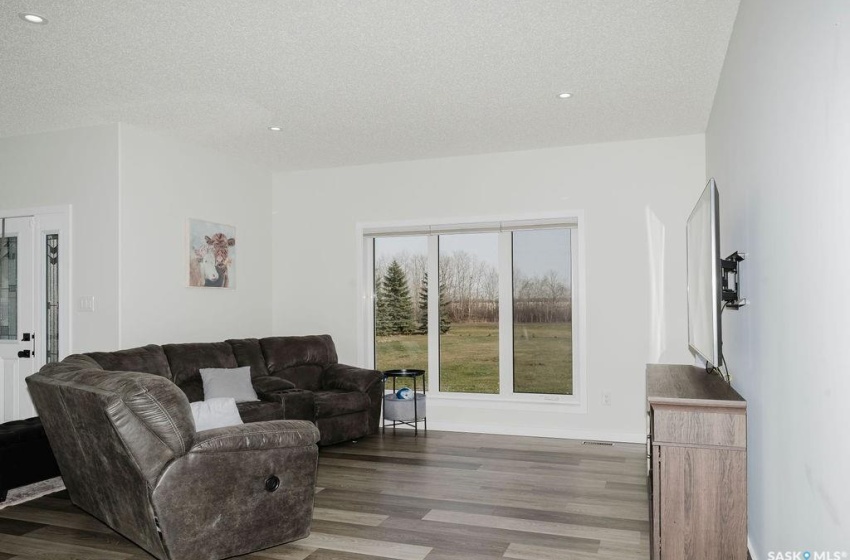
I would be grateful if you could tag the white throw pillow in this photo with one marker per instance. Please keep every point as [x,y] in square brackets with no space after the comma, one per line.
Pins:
[222,383]
[215,413]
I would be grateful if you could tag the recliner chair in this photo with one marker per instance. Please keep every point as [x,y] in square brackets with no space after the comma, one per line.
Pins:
[129,454]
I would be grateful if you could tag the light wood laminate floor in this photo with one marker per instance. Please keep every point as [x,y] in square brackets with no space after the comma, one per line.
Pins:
[441,497]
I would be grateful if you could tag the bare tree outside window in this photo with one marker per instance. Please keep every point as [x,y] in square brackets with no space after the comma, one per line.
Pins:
[469,352]
[542,287]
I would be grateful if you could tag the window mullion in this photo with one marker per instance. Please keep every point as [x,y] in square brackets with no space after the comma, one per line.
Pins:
[434,281]
[506,315]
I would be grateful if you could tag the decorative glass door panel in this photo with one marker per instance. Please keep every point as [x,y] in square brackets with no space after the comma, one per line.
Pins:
[17,316]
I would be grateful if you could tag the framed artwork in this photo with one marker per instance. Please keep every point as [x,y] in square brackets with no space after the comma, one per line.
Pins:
[212,254]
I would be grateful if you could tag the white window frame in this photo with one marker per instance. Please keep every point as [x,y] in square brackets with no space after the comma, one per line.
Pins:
[504,225]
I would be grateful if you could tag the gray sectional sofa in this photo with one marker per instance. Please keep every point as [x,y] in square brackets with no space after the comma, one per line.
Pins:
[121,428]
[295,377]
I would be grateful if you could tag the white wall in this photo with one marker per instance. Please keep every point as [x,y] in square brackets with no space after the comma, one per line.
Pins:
[164,182]
[778,144]
[77,167]
[625,189]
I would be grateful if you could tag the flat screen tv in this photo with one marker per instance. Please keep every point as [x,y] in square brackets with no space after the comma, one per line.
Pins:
[705,295]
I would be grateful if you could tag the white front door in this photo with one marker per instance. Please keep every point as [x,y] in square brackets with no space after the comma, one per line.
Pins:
[17,316]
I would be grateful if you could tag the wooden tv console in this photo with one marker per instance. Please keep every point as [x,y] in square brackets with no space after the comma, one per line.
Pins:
[697,465]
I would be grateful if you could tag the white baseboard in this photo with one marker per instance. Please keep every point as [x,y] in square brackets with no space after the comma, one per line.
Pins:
[537,432]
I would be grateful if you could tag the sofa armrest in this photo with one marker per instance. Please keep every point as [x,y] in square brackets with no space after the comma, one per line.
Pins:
[265,385]
[350,378]
[273,434]
[250,487]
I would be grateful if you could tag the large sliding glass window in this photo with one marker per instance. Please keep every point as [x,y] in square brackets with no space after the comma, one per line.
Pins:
[497,318]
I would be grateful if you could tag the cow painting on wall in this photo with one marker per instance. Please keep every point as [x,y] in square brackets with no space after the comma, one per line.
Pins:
[212,255]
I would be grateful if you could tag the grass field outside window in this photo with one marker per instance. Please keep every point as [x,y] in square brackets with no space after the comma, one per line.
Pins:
[545,350]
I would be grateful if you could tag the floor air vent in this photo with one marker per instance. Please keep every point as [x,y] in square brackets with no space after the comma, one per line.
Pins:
[606,443]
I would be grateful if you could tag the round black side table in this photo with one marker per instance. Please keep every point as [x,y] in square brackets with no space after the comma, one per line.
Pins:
[397,415]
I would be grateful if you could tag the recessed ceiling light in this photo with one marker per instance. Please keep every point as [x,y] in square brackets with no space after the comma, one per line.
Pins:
[275,128]
[564,95]
[33,18]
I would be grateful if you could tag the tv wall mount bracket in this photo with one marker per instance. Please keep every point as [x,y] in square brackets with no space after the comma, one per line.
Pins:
[730,281]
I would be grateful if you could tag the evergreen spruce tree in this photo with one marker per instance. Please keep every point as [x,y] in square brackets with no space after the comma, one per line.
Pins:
[423,307]
[445,324]
[382,327]
[398,307]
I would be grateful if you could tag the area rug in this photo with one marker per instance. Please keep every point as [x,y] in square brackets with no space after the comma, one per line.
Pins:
[32,491]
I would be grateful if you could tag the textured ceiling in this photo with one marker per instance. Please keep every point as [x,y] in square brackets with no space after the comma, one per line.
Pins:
[353,82]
